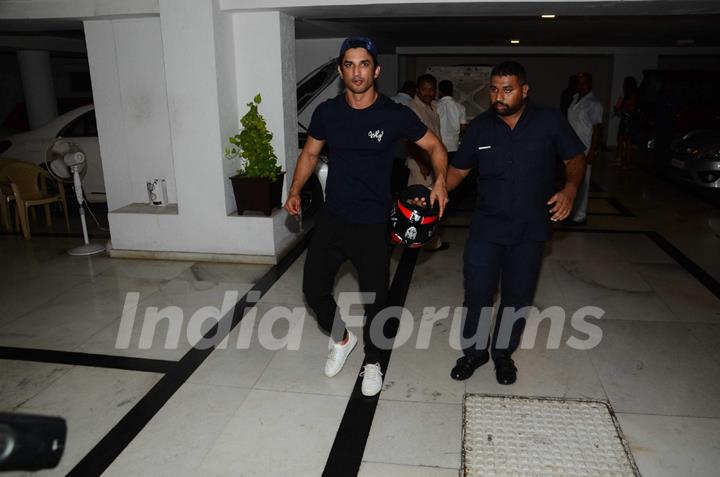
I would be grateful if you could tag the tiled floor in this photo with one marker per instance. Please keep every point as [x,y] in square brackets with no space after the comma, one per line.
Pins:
[255,407]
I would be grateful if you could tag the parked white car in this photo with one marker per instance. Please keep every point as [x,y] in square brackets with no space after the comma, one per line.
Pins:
[77,126]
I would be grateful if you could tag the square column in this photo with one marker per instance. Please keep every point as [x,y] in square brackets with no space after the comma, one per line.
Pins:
[198,68]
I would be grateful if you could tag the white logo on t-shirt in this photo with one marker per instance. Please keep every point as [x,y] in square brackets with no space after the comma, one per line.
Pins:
[376,135]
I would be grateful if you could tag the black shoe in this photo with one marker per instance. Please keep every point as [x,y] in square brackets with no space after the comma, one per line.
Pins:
[466,366]
[573,223]
[505,371]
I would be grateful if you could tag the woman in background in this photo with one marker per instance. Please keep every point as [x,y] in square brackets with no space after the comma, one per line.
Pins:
[626,107]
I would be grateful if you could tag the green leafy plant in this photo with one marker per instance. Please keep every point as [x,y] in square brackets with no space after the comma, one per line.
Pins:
[253,145]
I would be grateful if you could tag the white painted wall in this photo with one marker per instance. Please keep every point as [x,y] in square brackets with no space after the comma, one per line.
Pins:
[128,76]
[265,62]
[176,85]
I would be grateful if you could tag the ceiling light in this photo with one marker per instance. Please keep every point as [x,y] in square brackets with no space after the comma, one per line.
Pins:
[548,16]
[515,42]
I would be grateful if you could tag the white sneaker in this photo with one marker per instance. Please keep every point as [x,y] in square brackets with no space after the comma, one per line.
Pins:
[338,354]
[372,379]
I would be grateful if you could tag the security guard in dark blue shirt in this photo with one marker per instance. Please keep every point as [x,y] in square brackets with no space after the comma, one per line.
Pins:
[514,147]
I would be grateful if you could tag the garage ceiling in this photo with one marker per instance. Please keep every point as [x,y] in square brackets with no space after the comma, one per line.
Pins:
[645,30]
[659,23]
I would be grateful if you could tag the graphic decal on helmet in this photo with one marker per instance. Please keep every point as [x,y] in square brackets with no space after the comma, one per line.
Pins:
[411,224]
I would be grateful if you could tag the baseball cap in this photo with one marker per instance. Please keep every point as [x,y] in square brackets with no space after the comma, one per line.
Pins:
[359,42]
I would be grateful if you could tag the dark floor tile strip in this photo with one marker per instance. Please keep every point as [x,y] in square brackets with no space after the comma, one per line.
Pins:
[115,441]
[620,207]
[684,261]
[87,359]
[349,446]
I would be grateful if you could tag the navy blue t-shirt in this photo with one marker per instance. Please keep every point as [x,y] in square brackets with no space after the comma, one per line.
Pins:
[361,147]
[516,171]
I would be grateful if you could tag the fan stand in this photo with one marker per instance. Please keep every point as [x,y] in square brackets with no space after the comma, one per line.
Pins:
[87,248]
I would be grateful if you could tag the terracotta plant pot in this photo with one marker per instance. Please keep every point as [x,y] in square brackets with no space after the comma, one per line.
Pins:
[257,194]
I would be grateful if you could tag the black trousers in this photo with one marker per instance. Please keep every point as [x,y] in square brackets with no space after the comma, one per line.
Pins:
[335,241]
[516,268]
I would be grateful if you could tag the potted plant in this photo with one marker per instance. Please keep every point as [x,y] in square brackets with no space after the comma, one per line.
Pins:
[259,181]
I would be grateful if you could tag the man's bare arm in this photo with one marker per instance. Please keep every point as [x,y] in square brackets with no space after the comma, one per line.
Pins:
[562,201]
[304,168]
[455,177]
[431,144]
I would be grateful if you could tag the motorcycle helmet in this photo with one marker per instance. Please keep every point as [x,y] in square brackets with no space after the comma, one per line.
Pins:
[413,225]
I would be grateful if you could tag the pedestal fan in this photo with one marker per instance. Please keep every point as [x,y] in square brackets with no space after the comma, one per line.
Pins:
[65,161]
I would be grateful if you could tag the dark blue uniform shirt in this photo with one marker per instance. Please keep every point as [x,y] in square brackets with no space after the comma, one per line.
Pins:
[516,172]
[361,151]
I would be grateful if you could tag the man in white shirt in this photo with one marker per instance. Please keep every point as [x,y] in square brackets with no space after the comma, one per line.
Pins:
[425,106]
[405,94]
[585,116]
[452,117]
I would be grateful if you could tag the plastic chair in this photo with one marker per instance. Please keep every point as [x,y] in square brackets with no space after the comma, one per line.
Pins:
[6,194]
[29,186]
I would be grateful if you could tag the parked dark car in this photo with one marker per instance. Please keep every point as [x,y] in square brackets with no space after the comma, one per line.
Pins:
[673,103]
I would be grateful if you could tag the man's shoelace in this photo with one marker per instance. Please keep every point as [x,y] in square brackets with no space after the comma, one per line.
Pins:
[371,371]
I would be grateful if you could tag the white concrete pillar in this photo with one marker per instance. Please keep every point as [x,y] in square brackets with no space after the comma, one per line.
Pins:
[265,64]
[37,81]
[625,65]
[208,65]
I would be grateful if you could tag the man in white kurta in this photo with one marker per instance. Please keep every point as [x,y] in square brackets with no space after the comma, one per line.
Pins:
[585,116]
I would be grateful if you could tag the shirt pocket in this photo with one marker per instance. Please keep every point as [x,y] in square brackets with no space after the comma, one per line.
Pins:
[488,158]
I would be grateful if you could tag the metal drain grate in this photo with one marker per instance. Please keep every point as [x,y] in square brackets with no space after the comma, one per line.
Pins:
[542,437]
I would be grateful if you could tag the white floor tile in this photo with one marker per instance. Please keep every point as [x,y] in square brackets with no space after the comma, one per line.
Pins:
[709,336]
[278,434]
[657,368]
[419,369]
[374,469]
[638,248]
[244,273]
[150,269]
[672,446]
[170,446]
[20,381]
[543,372]
[295,371]
[92,400]
[684,295]
[417,434]
[72,318]
[568,245]
[615,287]
[189,297]
[25,295]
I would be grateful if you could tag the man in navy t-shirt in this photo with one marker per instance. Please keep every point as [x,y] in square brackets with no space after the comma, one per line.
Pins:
[360,127]
[514,146]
